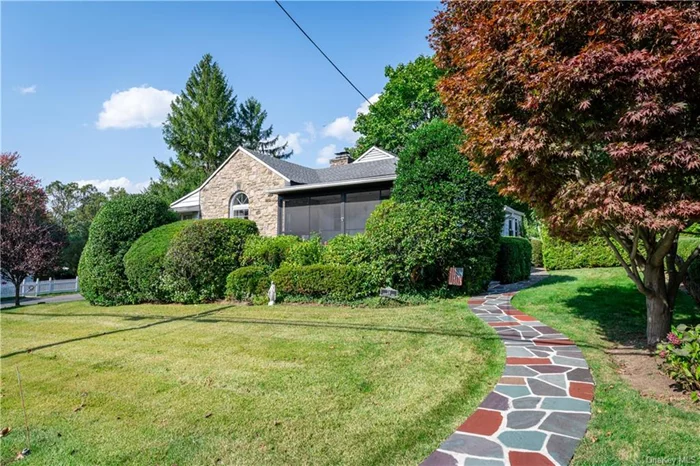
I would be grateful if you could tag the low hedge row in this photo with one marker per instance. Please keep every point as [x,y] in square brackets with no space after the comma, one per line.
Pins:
[247,282]
[558,254]
[514,260]
[268,251]
[339,282]
[537,259]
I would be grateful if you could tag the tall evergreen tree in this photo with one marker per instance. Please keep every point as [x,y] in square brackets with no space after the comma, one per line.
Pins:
[251,121]
[201,128]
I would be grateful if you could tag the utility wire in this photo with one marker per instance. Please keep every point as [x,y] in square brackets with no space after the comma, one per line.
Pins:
[322,52]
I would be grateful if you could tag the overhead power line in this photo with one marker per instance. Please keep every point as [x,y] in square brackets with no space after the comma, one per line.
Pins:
[322,52]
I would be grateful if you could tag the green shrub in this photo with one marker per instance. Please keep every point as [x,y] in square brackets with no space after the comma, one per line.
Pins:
[266,251]
[686,246]
[200,257]
[514,260]
[681,358]
[115,228]
[143,263]
[332,281]
[247,282]
[414,244]
[537,260]
[558,254]
[347,250]
[305,252]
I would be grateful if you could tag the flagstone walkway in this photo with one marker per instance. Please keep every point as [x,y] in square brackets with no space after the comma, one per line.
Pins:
[538,411]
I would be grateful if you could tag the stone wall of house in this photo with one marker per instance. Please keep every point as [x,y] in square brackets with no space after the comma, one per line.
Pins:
[243,173]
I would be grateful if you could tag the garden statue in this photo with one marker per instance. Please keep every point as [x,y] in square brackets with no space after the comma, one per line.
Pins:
[272,294]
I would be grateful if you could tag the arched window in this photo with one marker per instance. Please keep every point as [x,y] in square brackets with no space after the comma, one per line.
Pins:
[239,206]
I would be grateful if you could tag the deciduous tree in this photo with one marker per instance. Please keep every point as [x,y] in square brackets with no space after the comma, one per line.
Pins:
[408,100]
[590,112]
[29,242]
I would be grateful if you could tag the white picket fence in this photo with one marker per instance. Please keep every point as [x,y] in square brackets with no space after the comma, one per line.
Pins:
[40,287]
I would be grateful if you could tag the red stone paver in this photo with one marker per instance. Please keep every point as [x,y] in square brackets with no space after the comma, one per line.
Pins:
[502,324]
[524,361]
[482,422]
[525,318]
[581,390]
[522,458]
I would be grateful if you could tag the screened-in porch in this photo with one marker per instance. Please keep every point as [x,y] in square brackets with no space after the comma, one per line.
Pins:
[328,213]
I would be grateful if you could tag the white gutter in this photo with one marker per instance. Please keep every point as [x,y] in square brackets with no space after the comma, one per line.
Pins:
[335,184]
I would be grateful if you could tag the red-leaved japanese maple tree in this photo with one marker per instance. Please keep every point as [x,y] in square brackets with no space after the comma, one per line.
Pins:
[29,242]
[589,112]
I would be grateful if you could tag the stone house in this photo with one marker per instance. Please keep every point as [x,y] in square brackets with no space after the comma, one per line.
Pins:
[286,198]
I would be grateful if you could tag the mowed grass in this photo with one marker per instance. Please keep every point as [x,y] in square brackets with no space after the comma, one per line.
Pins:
[218,384]
[599,308]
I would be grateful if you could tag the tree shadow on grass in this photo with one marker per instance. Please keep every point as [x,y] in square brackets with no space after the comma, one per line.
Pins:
[620,312]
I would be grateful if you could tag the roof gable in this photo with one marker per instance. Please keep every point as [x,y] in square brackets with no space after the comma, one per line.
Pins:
[374,154]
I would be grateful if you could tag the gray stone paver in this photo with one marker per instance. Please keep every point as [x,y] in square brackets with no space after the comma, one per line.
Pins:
[540,410]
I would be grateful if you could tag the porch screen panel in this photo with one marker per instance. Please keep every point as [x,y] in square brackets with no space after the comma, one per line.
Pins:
[296,217]
[358,207]
[324,215]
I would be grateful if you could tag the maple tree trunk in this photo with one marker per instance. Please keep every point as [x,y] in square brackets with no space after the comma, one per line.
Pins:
[17,287]
[659,312]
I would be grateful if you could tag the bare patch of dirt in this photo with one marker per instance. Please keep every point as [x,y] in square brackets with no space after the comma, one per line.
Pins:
[640,369]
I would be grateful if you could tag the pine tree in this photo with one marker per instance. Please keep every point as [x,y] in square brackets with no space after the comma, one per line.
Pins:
[201,128]
[251,120]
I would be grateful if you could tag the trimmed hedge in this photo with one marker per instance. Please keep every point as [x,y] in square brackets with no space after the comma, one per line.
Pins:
[305,252]
[268,251]
[338,282]
[347,250]
[414,244]
[143,263]
[686,246]
[537,259]
[116,226]
[514,260]
[558,254]
[247,282]
[200,257]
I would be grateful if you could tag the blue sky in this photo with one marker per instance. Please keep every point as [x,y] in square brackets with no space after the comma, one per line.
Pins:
[85,86]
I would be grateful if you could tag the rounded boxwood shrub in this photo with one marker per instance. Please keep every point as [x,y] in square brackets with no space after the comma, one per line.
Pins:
[347,250]
[266,251]
[305,252]
[537,260]
[143,263]
[332,281]
[200,257]
[115,228]
[514,260]
[414,244]
[247,282]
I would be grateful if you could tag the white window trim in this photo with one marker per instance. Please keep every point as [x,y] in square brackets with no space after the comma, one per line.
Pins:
[238,207]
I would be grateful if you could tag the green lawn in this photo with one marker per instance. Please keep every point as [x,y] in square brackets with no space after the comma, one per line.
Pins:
[241,385]
[598,308]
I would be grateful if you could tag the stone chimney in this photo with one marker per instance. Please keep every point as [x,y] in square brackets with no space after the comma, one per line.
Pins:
[341,158]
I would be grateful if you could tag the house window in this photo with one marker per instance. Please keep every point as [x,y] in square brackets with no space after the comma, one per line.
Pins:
[239,206]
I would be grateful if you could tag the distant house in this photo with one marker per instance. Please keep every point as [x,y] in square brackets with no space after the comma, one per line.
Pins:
[290,199]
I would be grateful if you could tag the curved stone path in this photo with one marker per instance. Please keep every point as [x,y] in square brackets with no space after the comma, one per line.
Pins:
[538,411]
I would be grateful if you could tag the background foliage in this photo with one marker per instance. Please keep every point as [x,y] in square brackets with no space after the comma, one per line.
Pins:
[514,260]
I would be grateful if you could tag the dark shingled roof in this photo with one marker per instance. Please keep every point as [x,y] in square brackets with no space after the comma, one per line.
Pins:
[299,174]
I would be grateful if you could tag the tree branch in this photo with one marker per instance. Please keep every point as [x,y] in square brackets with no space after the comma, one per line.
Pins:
[630,273]
[657,257]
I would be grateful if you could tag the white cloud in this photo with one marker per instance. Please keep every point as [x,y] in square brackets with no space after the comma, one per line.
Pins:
[293,141]
[27,90]
[326,154]
[296,140]
[138,107]
[364,108]
[123,182]
[341,127]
